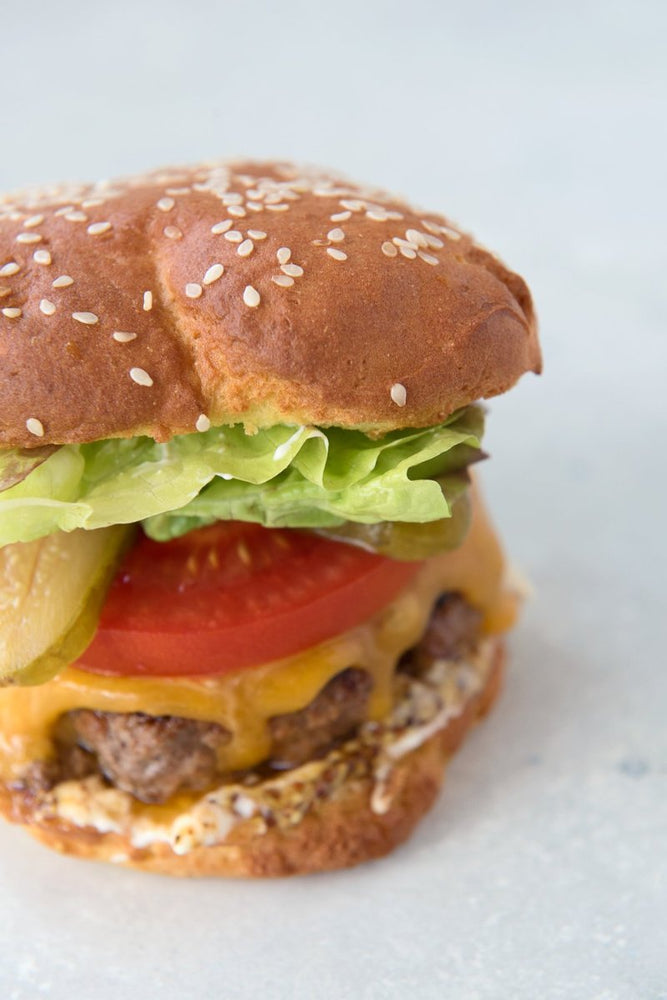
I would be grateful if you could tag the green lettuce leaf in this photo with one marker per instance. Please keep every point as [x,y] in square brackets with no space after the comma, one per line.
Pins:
[295,477]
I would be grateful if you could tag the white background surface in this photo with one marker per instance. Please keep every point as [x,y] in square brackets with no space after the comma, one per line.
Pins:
[541,873]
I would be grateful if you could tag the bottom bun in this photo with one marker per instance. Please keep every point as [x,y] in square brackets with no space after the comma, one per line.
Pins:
[356,804]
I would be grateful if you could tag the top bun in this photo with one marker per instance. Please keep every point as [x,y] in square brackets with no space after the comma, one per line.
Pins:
[244,292]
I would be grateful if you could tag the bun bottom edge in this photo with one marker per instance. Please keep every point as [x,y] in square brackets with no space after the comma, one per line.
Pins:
[340,832]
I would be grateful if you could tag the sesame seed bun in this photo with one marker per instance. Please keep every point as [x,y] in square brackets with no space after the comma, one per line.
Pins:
[247,292]
[338,830]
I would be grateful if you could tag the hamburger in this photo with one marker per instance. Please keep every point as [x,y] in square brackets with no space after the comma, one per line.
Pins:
[250,598]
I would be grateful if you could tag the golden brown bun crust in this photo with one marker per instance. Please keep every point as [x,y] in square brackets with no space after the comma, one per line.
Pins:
[432,312]
[342,832]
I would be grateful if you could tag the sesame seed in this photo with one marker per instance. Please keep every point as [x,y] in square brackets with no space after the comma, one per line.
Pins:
[76,217]
[11,312]
[430,227]
[376,216]
[404,243]
[388,249]
[214,272]
[336,254]
[47,307]
[87,318]
[408,252]
[92,202]
[29,238]
[202,423]
[398,394]
[283,280]
[166,204]
[251,296]
[63,281]
[283,255]
[222,227]
[232,198]
[34,220]
[244,554]
[35,426]
[64,210]
[172,232]
[123,336]
[178,190]
[451,233]
[273,198]
[414,236]
[193,290]
[140,376]
[293,270]
[148,301]
[336,235]
[434,242]
[42,257]
[237,211]
[234,236]
[7,270]
[278,208]
[341,216]
[428,257]
[254,206]
[245,248]
[353,206]
[257,234]
[97,228]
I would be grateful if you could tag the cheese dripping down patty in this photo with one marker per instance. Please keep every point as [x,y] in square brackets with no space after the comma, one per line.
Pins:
[423,708]
[243,702]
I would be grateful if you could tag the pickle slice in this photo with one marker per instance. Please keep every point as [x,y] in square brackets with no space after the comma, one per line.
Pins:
[51,594]
[408,540]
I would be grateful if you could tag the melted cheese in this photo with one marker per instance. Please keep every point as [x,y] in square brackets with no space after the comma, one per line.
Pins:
[190,821]
[243,702]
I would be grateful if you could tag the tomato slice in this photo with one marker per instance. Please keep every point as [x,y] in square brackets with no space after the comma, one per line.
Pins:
[235,595]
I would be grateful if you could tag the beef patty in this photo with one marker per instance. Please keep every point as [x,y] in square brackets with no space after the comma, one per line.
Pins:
[153,757]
